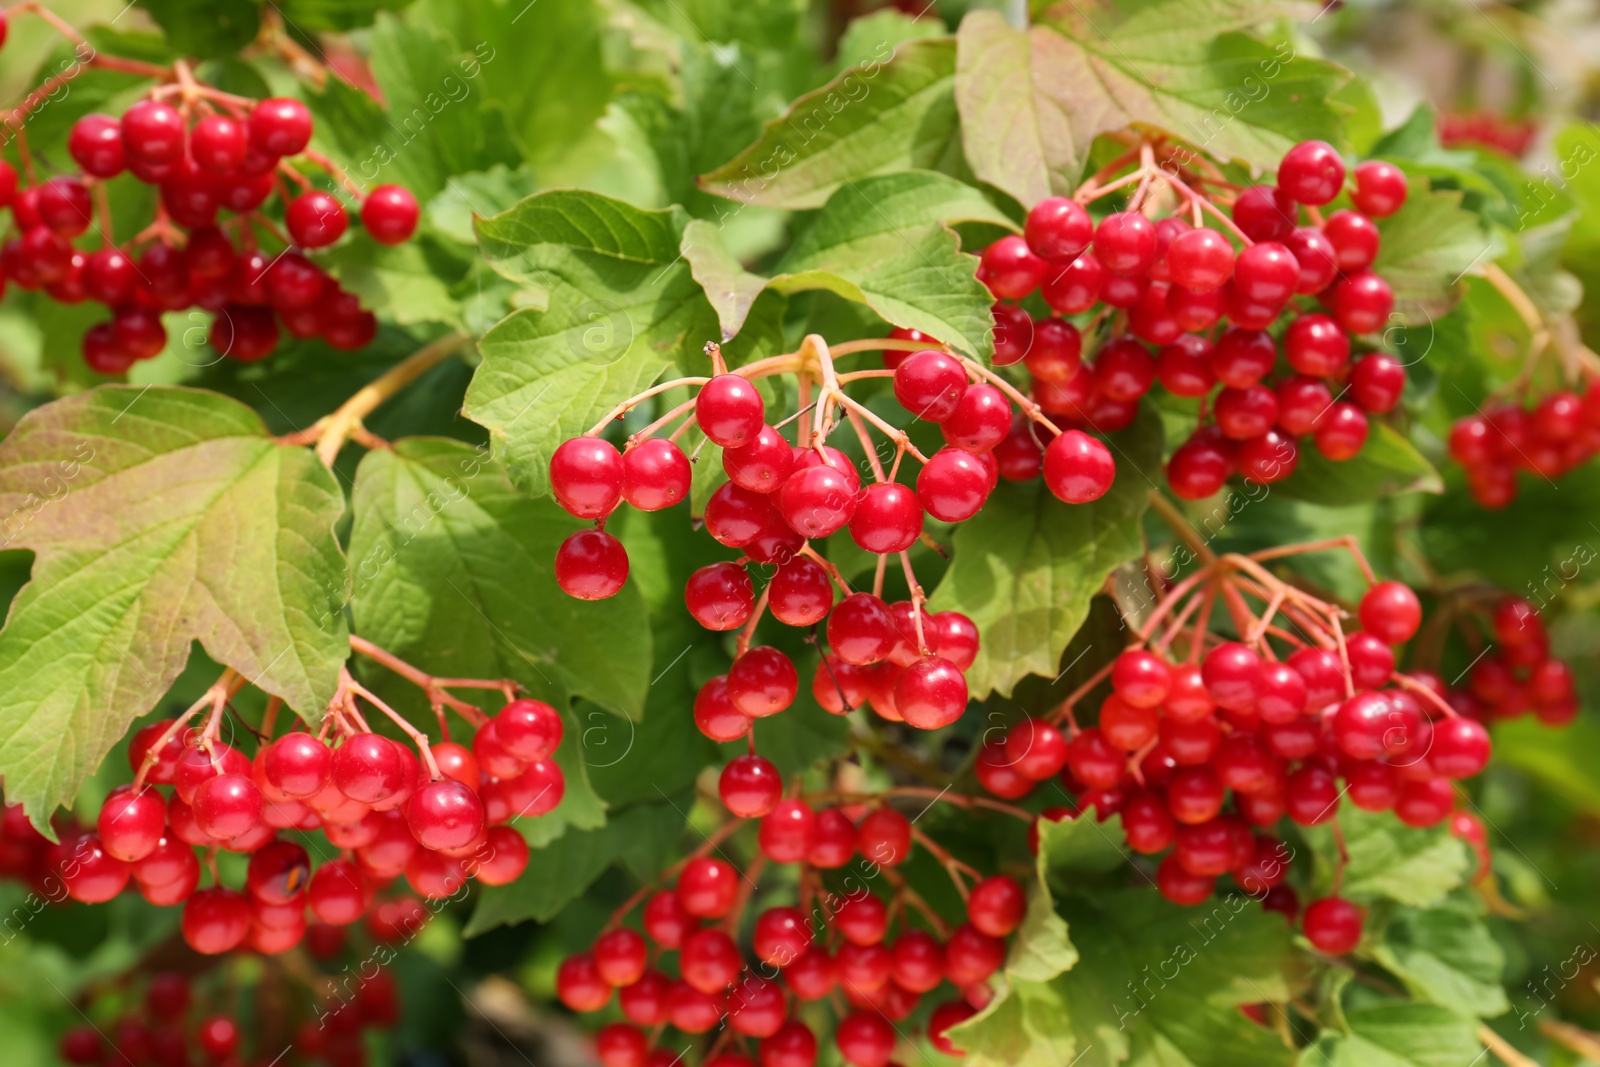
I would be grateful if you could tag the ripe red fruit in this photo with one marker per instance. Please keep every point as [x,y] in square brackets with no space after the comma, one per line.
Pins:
[1010,269]
[1127,726]
[579,984]
[1311,172]
[887,518]
[445,815]
[800,593]
[1125,243]
[953,485]
[505,859]
[591,565]
[1318,259]
[528,729]
[95,144]
[981,419]
[152,132]
[1232,675]
[931,693]
[655,474]
[218,143]
[860,630]
[729,411]
[1094,761]
[750,786]
[1078,468]
[762,682]
[1058,229]
[885,837]
[720,596]
[279,126]
[1390,611]
[621,1045]
[1266,273]
[1333,925]
[707,887]
[1354,238]
[1362,302]
[865,1039]
[130,824]
[787,831]
[817,501]
[1264,213]
[1341,432]
[930,384]
[1377,381]
[316,219]
[390,214]
[1460,748]
[996,906]
[1141,678]
[215,921]
[227,806]
[1200,260]
[1380,188]
[666,921]
[1076,287]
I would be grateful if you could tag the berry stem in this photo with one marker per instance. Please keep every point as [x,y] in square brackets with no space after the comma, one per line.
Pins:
[912,898]
[226,685]
[866,443]
[1405,681]
[918,598]
[634,401]
[1023,401]
[338,426]
[649,431]
[1347,541]
[881,344]
[953,867]
[833,572]
[1064,709]
[336,172]
[435,688]
[748,633]
[269,718]
[416,735]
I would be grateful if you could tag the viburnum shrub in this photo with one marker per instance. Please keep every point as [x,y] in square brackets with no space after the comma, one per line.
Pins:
[235,217]
[436,817]
[1153,295]
[960,571]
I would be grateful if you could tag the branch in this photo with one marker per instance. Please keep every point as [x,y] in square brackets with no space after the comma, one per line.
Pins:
[336,428]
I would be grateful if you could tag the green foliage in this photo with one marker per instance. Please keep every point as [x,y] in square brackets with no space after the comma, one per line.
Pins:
[1027,565]
[159,517]
[207,29]
[1389,860]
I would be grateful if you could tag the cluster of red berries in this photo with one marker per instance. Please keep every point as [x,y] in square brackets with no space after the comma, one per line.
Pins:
[1520,676]
[1174,740]
[1487,129]
[231,158]
[1192,312]
[1548,439]
[168,1031]
[842,947]
[370,797]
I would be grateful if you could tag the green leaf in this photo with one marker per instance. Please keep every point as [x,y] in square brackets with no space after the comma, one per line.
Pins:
[408,281]
[158,517]
[1043,946]
[1559,759]
[1074,846]
[335,15]
[1027,565]
[882,242]
[1387,464]
[1033,101]
[206,29]
[559,872]
[438,121]
[1427,246]
[1164,983]
[453,570]
[1021,1027]
[880,117]
[622,307]
[543,75]
[875,36]
[1399,1035]
[1446,955]
[1388,859]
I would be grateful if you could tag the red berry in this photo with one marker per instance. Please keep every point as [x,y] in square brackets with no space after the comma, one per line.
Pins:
[655,474]
[1200,260]
[1123,369]
[953,485]
[750,786]
[215,921]
[1376,382]
[885,837]
[1264,213]
[152,132]
[279,127]
[720,596]
[1318,259]
[1362,302]
[1245,413]
[1341,432]
[865,1039]
[981,419]
[707,888]
[1078,468]
[1013,335]
[95,144]
[445,815]
[1311,172]
[316,219]
[591,565]
[729,411]
[762,682]
[996,906]
[1354,238]
[1333,925]
[930,384]
[219,144]
[579,984]
[817,501]
[1380,189]
[390,214]
[887,518]
[1058,229]
[1125,243]
[1390,611]
[1076,287]
[762,463]
[1460,747]
[1266,273]
[931,693]
[1010,269]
